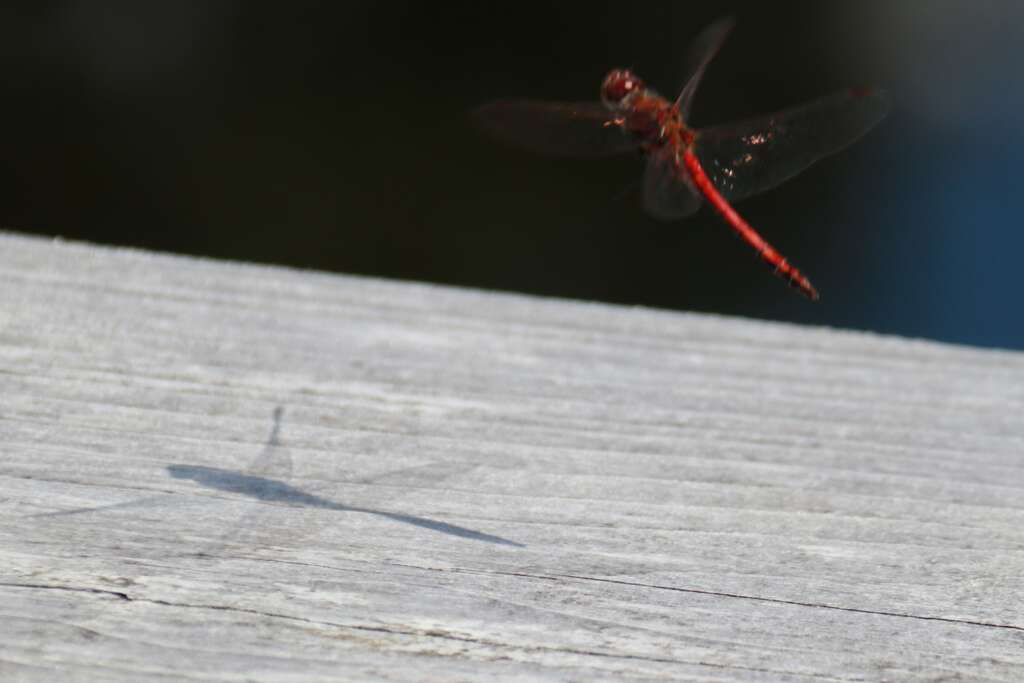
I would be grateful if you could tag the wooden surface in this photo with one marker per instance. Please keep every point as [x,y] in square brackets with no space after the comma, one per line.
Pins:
[219,471]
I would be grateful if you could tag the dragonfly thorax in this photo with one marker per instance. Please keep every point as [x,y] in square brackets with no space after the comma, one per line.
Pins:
[619,89]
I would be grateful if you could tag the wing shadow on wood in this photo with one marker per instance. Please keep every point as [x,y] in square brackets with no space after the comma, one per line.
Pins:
[274,491]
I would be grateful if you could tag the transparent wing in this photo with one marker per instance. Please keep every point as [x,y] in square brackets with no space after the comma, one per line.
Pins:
[705,47]
[668,193]
[752,156]
[561,129]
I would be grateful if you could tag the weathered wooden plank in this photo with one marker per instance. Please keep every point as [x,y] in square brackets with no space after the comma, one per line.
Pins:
[222,471]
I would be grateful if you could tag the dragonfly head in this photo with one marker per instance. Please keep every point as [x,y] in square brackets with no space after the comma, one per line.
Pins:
[619,88]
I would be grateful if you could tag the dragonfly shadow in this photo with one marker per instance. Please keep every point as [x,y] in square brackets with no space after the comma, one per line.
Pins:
[274,491]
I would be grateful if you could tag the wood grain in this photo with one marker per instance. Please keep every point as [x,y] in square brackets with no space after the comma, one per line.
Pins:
[215,471]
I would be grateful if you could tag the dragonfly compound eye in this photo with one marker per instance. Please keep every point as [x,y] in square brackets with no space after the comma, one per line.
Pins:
[618,86]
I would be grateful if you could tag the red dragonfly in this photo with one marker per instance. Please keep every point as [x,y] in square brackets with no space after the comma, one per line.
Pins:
[684,166]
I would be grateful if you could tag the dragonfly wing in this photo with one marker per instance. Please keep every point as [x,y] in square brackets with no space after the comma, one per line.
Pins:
[668,193]
[752,156]
[559,129]
[703,50]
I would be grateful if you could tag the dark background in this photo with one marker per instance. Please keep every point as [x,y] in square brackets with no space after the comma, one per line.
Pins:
[336,136]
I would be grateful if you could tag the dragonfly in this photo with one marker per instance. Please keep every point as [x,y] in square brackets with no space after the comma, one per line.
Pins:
[686,167]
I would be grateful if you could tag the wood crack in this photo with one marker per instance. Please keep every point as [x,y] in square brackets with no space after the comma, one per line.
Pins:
[427,633]
[781,601]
